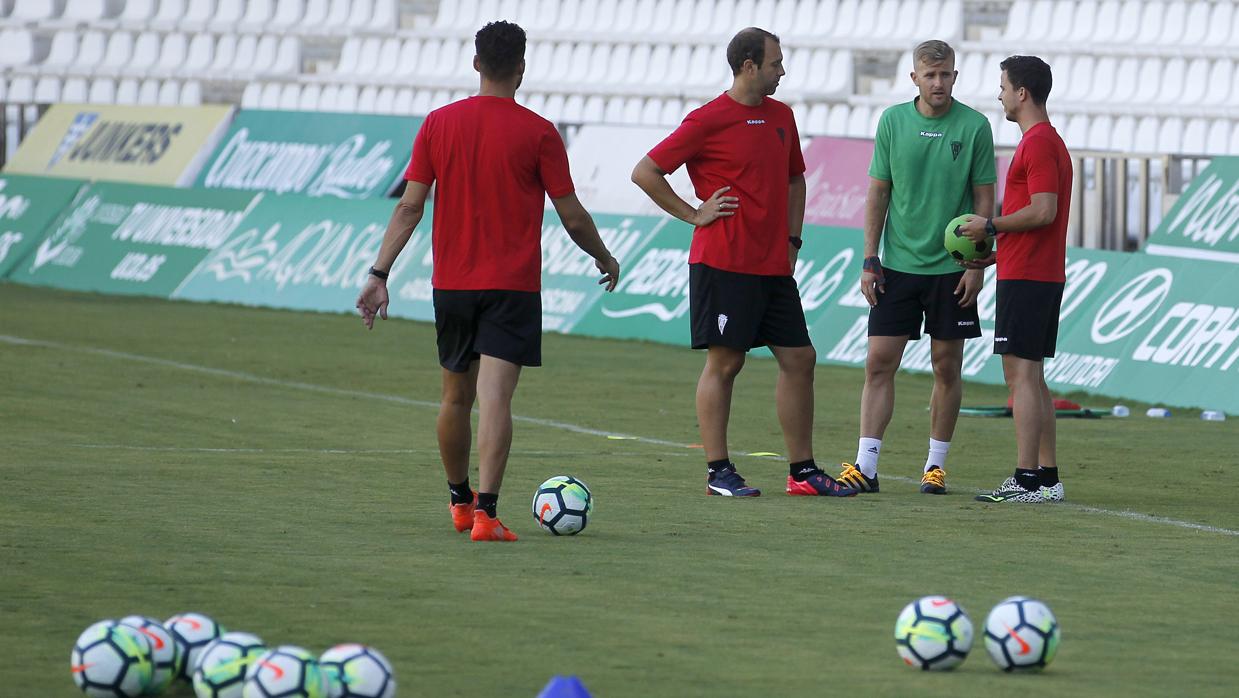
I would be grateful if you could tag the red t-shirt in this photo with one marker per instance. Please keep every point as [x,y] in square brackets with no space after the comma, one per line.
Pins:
[493,161]
[754,150]
[1041,165]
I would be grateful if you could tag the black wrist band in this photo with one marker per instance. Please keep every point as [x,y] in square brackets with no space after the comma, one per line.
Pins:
[873,264]
[378,273]
[795,241]
[990,230]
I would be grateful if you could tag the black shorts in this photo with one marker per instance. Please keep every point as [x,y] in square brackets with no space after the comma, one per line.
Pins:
[911,298]
[504,324]
[1026,324]
[743,311]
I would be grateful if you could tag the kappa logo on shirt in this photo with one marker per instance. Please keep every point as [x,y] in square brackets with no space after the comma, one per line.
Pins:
[755,122]
[931,134]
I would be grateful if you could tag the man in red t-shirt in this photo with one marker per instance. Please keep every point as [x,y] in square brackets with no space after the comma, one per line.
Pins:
[1031,255]
[492,162]
[743,156]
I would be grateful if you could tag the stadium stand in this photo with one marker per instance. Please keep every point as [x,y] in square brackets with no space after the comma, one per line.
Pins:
[1134,75]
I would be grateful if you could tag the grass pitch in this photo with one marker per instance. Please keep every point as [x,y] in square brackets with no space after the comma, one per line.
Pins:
[279,472]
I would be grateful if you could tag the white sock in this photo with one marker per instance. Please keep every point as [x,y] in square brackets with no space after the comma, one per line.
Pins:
[867,456]
[937,454]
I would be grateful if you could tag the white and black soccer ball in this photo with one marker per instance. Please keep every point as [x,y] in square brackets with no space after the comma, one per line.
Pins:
[562,505]
[111,660]
[357,671]
[1021,633]
[933,633]
[192,632]
[285,672]
[165,655]
[224,662]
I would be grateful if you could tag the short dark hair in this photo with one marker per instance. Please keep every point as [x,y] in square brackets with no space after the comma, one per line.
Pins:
[749,44]
[501,48]
[1030,73]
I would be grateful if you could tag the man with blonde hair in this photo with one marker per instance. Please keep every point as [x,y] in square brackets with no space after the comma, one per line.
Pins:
[933,160]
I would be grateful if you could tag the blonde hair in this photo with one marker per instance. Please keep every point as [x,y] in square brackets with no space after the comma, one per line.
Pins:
[931,52]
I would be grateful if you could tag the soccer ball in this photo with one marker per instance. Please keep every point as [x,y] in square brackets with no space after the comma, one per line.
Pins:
[285,672]
[1021,633]
[165,656]
[933,633]
[962,248]
[223,664]
[111,660]
[562,505]
[192,633]
[357,671]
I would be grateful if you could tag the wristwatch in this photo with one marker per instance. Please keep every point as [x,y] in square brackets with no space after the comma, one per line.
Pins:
[795,241]
[990,230]
[378,273]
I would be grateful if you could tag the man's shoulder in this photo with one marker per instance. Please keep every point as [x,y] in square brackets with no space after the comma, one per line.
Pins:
[967,115]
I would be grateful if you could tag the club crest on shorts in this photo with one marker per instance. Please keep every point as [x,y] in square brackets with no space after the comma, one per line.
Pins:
[722,322]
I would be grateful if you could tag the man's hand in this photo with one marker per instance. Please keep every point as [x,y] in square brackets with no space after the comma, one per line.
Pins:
[969,287]
[872,280]
[716,207]
[973,229]
[372,301]
[980,263]
[610,270]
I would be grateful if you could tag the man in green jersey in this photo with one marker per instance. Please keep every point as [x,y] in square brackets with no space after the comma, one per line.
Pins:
[933,160]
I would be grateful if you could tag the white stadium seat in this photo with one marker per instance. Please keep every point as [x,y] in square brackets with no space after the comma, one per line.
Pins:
[314,15]
[35,11]
[47,90]
[228,13]
[1100,129]
[258,13]
[264,54]
[1194,133]
[138,12]
[199,14]
[1234,139]
[367,99]
[250,96]
[287,13]
[309,98]
[102,91]
[1170,135]
[1221,29]
[87,11]
[119,52]
[1173,24]
[170,93]
[146,53]
[290,96]
[1218,138]
[74,91]
[199,54]
[170,13]
[1122,134]
[1126,27]
[347,98]
[1145,138]
[191,93]
[62,52]
[574,108]
[404,101]
[337,15]
[243,60]
[359,14]
[16,47]
[269,95]
[148,92]
[225,54]
[385,102]
[127,91]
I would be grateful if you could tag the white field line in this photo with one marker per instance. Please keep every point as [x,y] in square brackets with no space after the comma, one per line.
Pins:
[564,426]
[344,451]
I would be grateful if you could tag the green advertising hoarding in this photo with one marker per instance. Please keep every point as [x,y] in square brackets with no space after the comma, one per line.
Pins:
[345,156]
[27,206]
[1204,222]
[132,239]
[300,253]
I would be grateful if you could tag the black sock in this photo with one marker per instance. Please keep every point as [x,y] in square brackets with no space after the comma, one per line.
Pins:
[1028,479]
[802,470]
[487,502]
[716,466]
[1049,476]
[460,492]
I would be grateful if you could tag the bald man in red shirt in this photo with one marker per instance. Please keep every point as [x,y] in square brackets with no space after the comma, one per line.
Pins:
[492,162]
[743,156]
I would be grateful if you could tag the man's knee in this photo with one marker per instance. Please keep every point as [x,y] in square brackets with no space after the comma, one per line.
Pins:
[725,364]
